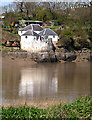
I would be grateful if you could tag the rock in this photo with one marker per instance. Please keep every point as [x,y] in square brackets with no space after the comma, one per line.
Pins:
[68,56]
[90,57]
[12,58]
[43,56]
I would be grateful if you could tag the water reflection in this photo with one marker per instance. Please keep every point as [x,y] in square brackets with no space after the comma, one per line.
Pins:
[67,81]
[39,81]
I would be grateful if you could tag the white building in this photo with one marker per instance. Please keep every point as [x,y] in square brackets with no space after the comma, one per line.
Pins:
[35,38]
[48,33]
[32,42]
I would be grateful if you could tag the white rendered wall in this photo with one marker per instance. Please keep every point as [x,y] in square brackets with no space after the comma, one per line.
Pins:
[53,38]
[21,32]
[37,32]
[32,45]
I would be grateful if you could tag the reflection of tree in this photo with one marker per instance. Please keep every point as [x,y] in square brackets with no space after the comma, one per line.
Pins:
[10,82]
[49,79]
[66,74]
[73,79]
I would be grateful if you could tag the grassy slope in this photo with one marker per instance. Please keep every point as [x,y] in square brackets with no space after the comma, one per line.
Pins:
[9,36]
[81,108]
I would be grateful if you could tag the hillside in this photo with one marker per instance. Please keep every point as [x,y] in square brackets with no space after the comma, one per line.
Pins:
[9,36]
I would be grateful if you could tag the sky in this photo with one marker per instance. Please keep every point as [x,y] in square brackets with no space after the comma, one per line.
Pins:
[4,2]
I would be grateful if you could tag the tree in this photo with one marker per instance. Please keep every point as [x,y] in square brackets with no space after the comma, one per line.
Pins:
[30,9]
[44,15]
[10,17]
[66,39]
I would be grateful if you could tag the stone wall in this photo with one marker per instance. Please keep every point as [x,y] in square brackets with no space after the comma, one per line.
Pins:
[52,56]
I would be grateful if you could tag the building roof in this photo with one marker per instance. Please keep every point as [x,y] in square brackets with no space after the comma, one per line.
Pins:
[26,28]
[30,21]
[29,33]
[34,27]
[37,27]
[47,31]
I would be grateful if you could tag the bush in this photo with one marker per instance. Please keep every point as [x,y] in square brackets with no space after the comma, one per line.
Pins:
[67,33]
[67,42]
[58,32]
[81,39]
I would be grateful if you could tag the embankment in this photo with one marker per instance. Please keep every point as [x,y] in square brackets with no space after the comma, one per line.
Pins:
[51,56]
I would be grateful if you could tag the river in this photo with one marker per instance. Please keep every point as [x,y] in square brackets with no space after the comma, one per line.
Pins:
[63,81]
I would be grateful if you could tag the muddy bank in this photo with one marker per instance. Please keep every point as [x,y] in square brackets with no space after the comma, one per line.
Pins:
[9,60]
[51,56]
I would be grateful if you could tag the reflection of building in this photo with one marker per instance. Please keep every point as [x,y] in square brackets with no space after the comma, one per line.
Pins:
[64,81]
[37,82]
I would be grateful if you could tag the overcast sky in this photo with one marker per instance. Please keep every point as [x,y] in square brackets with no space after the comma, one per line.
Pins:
[4,2]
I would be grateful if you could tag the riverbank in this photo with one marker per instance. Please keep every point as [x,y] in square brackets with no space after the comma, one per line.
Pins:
[79,109]
[23,57]
[10,60]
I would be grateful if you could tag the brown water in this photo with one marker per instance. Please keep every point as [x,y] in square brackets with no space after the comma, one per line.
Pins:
[65,81]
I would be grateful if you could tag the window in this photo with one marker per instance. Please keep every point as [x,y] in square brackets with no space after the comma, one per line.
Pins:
[54,36]
[21,31]
[25,36]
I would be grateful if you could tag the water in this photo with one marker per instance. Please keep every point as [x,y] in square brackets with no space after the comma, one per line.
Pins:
[65,81]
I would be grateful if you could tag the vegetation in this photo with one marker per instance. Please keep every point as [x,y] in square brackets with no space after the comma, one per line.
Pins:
[80,109]
[11,49]
[75,16]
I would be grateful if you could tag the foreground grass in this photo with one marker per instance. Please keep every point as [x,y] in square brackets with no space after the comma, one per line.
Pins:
[80,109]
[10,49]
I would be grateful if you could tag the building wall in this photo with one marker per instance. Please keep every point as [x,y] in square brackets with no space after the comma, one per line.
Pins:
[32,45]
[21,32]
[37,32]
[54,38]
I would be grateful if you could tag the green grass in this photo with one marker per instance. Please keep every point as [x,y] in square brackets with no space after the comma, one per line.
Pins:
[51,27]
[15,35]
[10,49]
[80,109]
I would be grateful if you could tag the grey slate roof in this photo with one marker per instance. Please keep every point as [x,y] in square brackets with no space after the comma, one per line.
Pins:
[29,33]
[26,28]
[35,27]
[47,32]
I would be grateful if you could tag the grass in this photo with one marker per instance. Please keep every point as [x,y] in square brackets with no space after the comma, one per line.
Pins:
[51,27]
[10,49]
[16,35]
[80,109]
